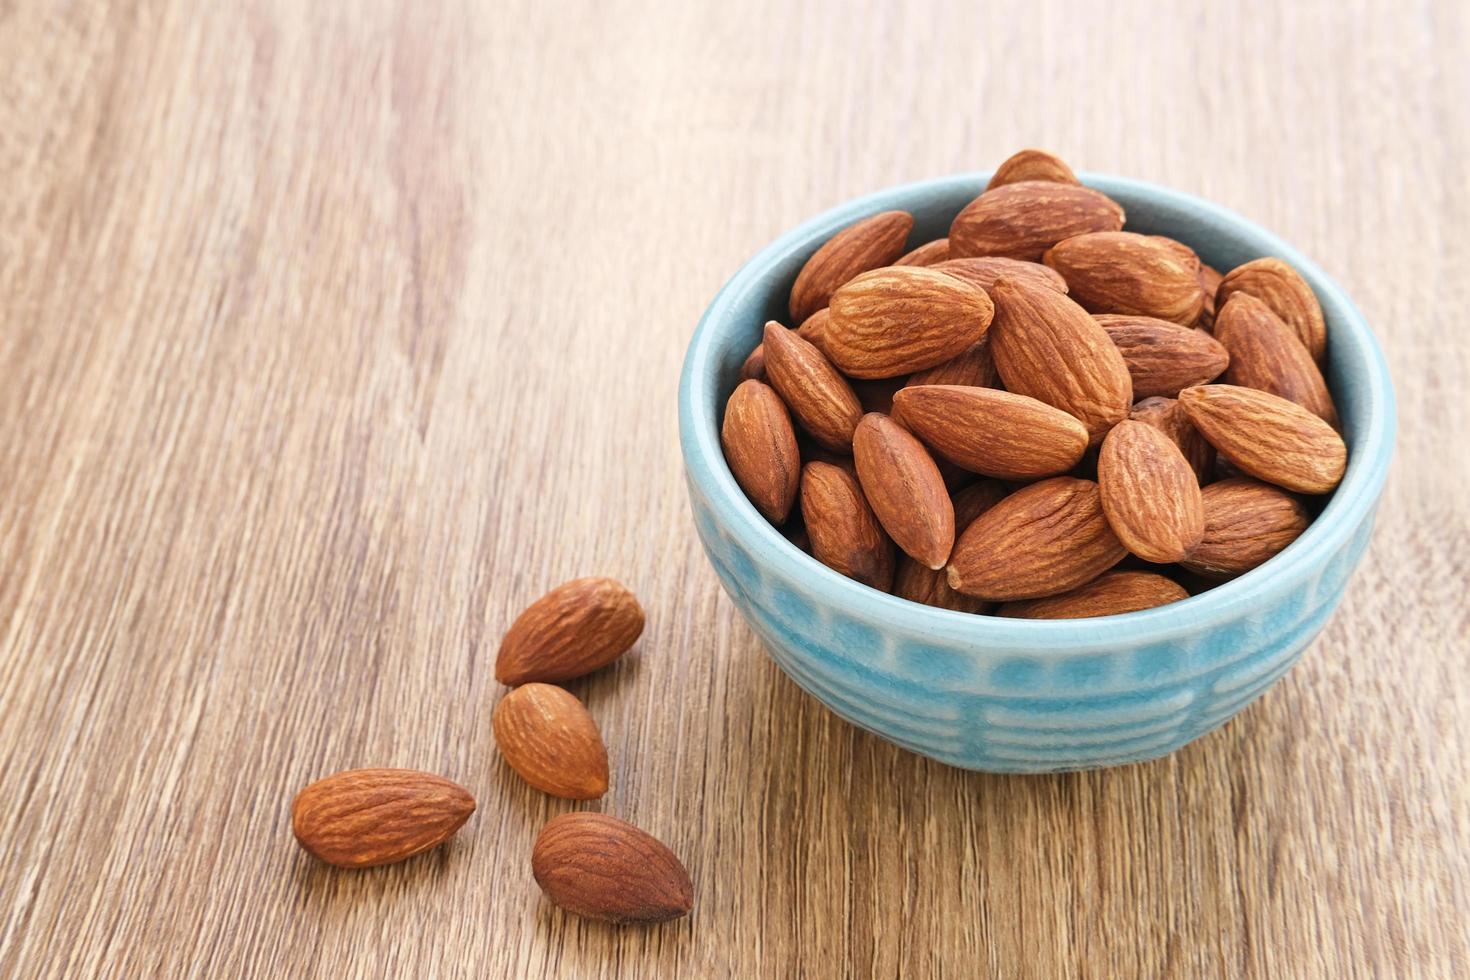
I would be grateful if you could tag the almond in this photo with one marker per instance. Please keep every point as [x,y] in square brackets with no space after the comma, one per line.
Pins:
[572,630]
[1120,272]
[1209,281]
[904,488]
[1108,595]
[930,586]
[813,330]
[984,270]
[1268,437]
[844,534]
[870,244]
[1164,358]
[899,320]
[972,501]
[1044,539]
[1267,354]
[1246,523]
[760,447]
[366,817]
[1046,346]
[1150,494]
[1186,254]
[1024,219]
[1282,288]
[597,866]
[877,396]
[821,399]
[995,433]
[930,253]
[1169,417]
[1032,164]
[550,739]
[754,367]
[975,368]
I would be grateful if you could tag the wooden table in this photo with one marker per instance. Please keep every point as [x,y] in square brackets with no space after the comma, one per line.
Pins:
[332,334]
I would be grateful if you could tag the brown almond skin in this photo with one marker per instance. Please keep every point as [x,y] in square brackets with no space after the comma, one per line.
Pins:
[1283,289]
[1267,354]
[1044,539]
[930,586]
[994,433]
[985,270]
[930,253]
[1209,281]
[1169,417]
[845,535]
[572,630]
[905,489]
[363,818]
[1024,219]
[760,446]
[1246,523]
[1150,494]
[975,368]
[1107,595]
[877,396]
[597,866]
[870,244]
[813,330]
[820,398]
[1120,272]
[975,499]
[1048,347]
[549,738]
[1268,437]
[754,367]
[1164,358]
[899,320]
[1188,255]
[1032,164]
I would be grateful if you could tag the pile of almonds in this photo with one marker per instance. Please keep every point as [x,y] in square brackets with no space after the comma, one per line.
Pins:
[588,863]
[1041,411]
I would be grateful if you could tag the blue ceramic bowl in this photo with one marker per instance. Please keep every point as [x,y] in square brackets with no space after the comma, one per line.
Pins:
[1008,695]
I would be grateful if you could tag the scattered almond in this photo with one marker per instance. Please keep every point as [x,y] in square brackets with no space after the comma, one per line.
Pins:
[572,630]
[975,499]
[597,866]
[549,738]
[985,270]
[1169,417]
[930,587]
[975,368]
[366,817]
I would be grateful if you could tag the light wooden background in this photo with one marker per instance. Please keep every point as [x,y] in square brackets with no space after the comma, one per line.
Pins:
[333,333]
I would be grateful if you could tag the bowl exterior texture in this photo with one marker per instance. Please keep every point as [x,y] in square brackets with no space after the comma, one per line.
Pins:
[1025,696]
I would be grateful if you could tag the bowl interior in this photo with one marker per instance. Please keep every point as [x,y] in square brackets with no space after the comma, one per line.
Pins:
[1355,369]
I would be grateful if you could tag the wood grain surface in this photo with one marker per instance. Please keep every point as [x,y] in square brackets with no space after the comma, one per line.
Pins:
[331,334]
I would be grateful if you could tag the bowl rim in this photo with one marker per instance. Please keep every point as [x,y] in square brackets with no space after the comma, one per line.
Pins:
[1349,506]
